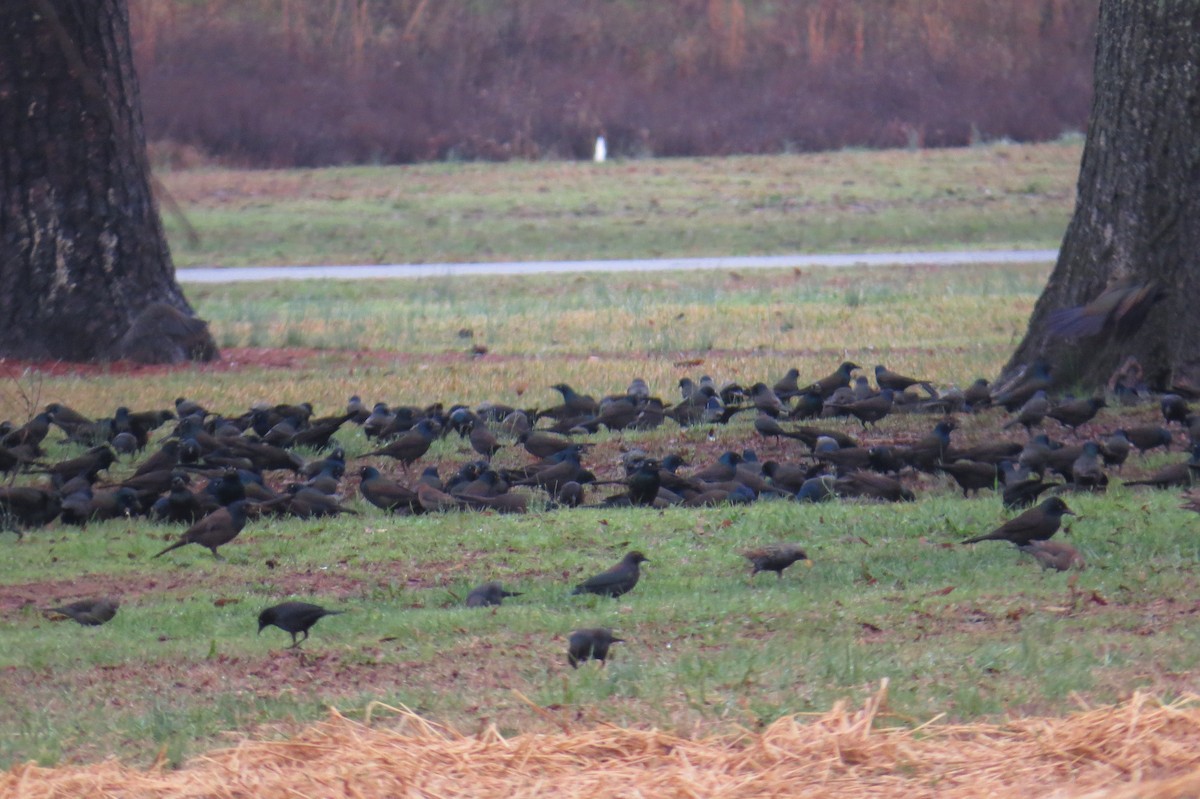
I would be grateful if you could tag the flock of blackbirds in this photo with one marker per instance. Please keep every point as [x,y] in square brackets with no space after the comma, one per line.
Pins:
[214,473]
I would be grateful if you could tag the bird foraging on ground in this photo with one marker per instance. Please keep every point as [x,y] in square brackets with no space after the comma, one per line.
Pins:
[294,617]
[89,612]
[590,644]
[774,558]
[1057,555]
[1036,524]
[214,530]
[488,594]
[620,579]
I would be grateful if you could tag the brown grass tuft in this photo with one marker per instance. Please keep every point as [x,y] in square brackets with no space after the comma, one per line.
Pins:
[1141,748]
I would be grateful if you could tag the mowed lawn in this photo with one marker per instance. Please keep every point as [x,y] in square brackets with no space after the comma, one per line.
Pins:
[991,196]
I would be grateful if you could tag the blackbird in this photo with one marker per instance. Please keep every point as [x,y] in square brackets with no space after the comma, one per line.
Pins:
[1121,309]
[886,378]
[817,489]
[1057,555]
[1036,378]
[180,505]
[1173,475]
[488,594]
[554,476]
[217,528]
[90,463]
[434,500]
[89,612]
[590,644]
[167,457]
[543,445]
[387,494]
[31,434]
[508,502]
[971,475]
[1076,412]
[869,485]
[774,558]
[410,446]
[786,386]
[1087,471]
[1023,493]
[616,581]
[840,377]
[644,483]
[978,395]
[869,410]
[767,427]
[1115,449]
[1035,524]
[294,617]
[1145,437]
[25,507]
[766,401]
[1174,408]
[1032,412]
[574,403]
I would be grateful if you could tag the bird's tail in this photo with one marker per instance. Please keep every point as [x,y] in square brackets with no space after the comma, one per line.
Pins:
[977,539]
[176,545]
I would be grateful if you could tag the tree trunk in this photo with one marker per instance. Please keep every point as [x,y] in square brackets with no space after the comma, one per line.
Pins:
[1137,213]
[82,250]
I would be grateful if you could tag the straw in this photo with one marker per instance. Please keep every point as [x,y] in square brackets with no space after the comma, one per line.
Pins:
[1139,748]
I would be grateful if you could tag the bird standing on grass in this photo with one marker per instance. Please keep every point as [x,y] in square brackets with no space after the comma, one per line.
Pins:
[1035,524]
[590,644]
[89,612]
[489,594]
[294,617]
[214,530]
[1057,555]
[774,558]
[618,580]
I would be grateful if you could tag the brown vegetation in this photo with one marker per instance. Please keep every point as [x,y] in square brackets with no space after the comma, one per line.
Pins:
[312,83]
[1138,748]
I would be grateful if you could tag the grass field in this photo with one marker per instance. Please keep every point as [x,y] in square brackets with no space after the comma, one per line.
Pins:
[973,632]
[992,196]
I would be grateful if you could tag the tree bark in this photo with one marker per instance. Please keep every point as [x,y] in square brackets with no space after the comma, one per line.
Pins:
[82,249]
[1137,213]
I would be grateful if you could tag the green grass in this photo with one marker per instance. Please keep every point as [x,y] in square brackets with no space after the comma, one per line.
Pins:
[992,197]
[973,632]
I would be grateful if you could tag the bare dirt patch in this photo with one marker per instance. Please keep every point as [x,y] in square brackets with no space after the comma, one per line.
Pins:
[44,593]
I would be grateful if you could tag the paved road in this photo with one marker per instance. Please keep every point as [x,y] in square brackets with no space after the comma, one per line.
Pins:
[261,273]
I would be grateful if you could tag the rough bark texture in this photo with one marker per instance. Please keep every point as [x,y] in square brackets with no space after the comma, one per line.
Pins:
[82,250]
[1138,208]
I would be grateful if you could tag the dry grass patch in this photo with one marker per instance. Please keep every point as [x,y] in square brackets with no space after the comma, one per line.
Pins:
[1141,747]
